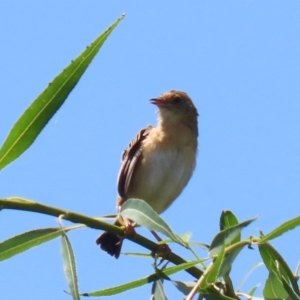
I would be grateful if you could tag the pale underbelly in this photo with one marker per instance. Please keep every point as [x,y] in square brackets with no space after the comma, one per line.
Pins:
[160,179]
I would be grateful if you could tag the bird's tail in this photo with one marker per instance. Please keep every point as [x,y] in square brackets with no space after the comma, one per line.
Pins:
[110,242]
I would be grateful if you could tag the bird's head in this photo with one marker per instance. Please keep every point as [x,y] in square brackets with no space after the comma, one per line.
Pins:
[176,107]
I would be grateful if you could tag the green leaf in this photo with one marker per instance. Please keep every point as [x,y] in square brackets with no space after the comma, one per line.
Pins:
[227,220]
[138,254]
[143,214]
[158,292]
[283,228]
[186,237]
[69,266]
[229,259]
[211,274]
[139,282]
[200,245]
[278,268]
[255,266]
[37,115]
[273,288]
[160,272]
[293,295]
[253,290]
[181,267]
[214,295]
[27,240]
[226,236]
[184,287]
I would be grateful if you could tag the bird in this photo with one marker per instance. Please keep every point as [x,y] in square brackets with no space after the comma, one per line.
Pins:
[159,161]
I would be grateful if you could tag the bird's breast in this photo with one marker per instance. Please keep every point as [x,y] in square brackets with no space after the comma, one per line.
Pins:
[163,170]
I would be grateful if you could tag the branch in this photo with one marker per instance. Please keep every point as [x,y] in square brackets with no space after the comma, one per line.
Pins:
[28,205]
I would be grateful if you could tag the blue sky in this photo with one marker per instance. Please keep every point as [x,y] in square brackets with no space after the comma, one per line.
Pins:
[238,60]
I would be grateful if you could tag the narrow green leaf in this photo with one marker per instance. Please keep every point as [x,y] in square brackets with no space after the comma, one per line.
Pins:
[255,266]
[214,295]
[138,254]
[253,290]
[229,259]
[160,272]
[143,214]
[273,288]
[186,237]
[27,240]
[283,228]
[211,274]
[139,282]
[277,268]
[157,290]
[69,266]
[227,220]
[37,115]
[181,267]
[293,295]
[200,245]
[226,236]
[184,287]
[227,281]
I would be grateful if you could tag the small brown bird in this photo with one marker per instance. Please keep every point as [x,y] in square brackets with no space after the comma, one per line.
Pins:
[159,161]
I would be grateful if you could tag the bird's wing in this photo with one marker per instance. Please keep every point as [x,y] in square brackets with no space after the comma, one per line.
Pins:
[129,159]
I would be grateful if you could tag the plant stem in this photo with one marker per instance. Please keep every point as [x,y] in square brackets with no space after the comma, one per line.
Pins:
[28,205]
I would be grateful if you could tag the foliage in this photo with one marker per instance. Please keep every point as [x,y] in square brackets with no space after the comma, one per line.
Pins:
[210,276]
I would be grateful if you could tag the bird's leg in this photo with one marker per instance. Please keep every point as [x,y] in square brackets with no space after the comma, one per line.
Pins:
[162,250]
[129,228]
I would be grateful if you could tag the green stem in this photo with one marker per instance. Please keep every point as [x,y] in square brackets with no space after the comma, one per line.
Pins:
[28,205]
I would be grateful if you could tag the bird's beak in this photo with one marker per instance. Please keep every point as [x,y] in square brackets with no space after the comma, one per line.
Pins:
[157,101]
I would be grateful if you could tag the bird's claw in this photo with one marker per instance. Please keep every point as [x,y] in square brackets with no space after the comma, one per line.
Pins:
[163,251]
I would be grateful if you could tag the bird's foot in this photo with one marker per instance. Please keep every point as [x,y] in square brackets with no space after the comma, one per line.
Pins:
[163,251]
